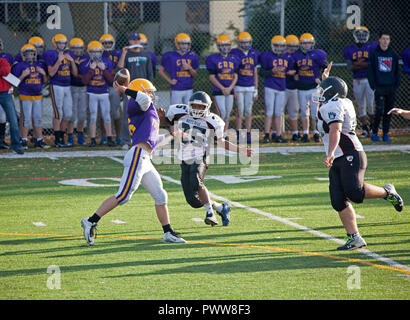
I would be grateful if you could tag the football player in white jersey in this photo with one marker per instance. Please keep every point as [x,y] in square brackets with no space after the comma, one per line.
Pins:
[199,127]
[346,159]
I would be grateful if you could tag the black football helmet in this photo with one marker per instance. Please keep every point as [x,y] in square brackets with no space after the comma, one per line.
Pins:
[330,88]
[202,98]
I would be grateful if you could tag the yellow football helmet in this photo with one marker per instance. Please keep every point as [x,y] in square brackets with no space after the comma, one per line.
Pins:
[77,46]
[108,42]
[245,40]
[95,50]
[145,86]
[28,53]
[278,45]
[59,42]
[224,44]
[182,42]
[143,40]
[292,43]
[307,42]
[38,42]
[361,34]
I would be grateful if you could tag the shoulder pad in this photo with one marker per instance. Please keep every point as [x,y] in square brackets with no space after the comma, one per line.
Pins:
[175,109]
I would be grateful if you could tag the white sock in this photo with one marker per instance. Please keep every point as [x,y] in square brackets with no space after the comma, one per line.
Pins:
[305,132]
[217,206]
[208,209]
[295,132]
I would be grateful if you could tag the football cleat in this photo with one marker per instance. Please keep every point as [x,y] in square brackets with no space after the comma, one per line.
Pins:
[172,237]
[266,138]
[211,219]
[353,243]
[375,137]
[24,144]
[305,138]
[80,139]
[295,137]
[393,197]
[316,137]
[364,134]
[89,231]
[224,213]
[279,139]
[386,137]
[102,141]
[41,144]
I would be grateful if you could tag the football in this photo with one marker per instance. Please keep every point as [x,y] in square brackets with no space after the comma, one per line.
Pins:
[122,77]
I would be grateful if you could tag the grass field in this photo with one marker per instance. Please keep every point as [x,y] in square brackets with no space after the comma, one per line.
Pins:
[258,256]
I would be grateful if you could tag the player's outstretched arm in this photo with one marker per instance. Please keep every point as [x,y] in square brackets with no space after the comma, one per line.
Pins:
[246,151]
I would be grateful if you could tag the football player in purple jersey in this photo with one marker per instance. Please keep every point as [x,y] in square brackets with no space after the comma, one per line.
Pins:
[61,67]
[246,89]
[178,68]
[291,99]
[154,58]
[275,66]
[357,56]
[97,75]
[108,43]
[223,74]
[78,93]
[143,123]
[309,63]
[32,76]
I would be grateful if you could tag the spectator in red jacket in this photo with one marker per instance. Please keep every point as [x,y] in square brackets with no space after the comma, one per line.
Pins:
[7,103]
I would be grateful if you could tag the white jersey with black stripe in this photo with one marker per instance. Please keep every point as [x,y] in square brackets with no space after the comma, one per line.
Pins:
[342,111]
[200,132]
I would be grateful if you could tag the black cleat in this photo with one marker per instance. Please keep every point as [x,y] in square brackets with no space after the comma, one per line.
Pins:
[305,138]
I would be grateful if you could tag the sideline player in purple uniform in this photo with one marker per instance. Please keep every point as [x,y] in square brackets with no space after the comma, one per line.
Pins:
[357,56]
[108,43]
[97,75]
[291,99]
[38,43]
[61,67]
[246,89]
[154,58]
[32,76]
[78,93]
[275,65]
[143,123]
[3,119]
[181,67]
[223,74]
[309,63]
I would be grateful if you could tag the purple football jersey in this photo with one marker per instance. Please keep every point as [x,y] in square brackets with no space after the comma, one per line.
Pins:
[98,84]
[8,57]
[143,125]
[246,68]
[223,68]
[290,80]
[31,85]
[270,60]
[362,53]
[114,56]
[309,64]
[63,74]
[78,81]
[154,60]
[172,63]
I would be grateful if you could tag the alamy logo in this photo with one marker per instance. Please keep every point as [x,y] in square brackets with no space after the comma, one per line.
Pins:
[385,64]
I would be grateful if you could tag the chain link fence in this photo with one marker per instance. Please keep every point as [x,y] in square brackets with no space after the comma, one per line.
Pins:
[204,21]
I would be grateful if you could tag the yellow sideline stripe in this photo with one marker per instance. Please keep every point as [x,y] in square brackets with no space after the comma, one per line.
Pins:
[221,244]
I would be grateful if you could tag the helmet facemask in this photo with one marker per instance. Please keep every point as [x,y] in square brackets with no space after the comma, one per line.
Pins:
[361,36]
[61,45]
[108,45]
[320,95]
[292,48]
[198,109]
[29,56]
[245,45]
[307,46]
[184,46]
[278,49]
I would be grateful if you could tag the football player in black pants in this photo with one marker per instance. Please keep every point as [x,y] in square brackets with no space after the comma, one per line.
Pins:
[346,159]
